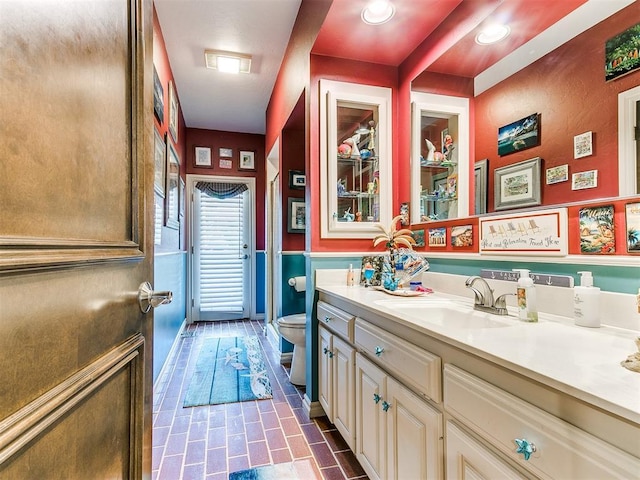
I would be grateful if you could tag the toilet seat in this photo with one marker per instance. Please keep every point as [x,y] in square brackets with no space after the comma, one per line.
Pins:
[298,320]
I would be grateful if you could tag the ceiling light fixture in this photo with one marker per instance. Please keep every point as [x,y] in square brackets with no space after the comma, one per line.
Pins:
[228,62]
[378,12]
[492,34]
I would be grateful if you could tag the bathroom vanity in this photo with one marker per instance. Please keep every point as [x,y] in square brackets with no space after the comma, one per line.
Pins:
[427,387]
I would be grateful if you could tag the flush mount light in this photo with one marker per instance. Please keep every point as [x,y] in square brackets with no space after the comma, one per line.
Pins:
[378,12]
[492,34]
[228,62]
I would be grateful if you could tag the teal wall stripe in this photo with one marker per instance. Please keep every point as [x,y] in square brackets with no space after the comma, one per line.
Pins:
[261,282]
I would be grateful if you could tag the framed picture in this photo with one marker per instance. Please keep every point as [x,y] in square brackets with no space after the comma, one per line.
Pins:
[158,97]
[297,216]
[203,157]
[481,179]
[297,179]
[173,184]
[583,145]
[633,227]
[225,152]
[181,197]
[582,180]
[160,158]
[225,163]
[438,237]
[173,112]
[621,53]
[557,174]
[462,236]
[247,160]
[517,185]
[596,230]
[519,135]
[418,236]
[158,202]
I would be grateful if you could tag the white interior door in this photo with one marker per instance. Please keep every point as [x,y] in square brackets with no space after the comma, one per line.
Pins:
[222,248]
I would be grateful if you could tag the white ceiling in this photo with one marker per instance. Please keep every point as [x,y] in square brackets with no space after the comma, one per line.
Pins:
[210,99]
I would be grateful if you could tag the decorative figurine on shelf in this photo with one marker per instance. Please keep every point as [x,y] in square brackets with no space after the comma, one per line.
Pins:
[431,149]
[358,216]
[344,150]
[371,146]
[342,187]
[348,216]
[448,147]
[365,153]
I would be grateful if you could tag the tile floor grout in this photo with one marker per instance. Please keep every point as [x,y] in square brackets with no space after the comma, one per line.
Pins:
[212,441]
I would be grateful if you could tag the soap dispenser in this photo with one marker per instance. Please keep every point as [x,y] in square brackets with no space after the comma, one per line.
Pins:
[586,302]
[527,308]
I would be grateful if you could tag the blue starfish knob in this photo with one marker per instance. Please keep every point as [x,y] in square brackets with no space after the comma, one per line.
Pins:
[525,447]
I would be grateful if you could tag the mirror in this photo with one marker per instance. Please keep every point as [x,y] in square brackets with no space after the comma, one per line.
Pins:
[572,97]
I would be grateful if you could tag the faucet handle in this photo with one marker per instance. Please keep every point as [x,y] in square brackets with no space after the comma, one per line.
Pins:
[501,303]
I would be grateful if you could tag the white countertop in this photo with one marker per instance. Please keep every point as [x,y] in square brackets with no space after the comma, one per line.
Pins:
[582,362]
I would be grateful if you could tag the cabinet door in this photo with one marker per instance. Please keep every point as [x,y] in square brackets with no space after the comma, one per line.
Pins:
[325,373]
[415,439]
[344,390]
[370,418]
[469,459]
[355,155]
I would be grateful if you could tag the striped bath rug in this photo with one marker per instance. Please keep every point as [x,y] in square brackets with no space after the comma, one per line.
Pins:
[228,369]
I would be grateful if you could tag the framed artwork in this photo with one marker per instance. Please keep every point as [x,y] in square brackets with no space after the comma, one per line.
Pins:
[181,197]
[159,218]
[297,179]
[481,179]
[173,184]
[225,152]
[225,163]
[173,112]
[462,236]
[418,236]
[438,237]
[633,227]
[557,174]
[583,145]
[519,135]
[297,216]
[160,158]
[582,180]
[621,53]
[158,97]
[247,160]
[517,185]
[596,230]
[203,157]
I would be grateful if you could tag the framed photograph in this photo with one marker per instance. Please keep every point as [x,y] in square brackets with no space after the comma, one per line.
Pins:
[297,179]
[519,135]
[633,227]
[203,157]
[225,163]
[582,180]
[247,160]
[158,97]
[621,53]
[518,185]
[583,145]
[160,158]
[173,184]
[596,230]
[173,112]
[438,237]
[557,174]
[462,236]
[225,152]
[297,216]
[481,179]
[418,236]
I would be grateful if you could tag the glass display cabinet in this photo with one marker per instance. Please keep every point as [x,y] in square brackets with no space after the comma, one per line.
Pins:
[355,153]
[439,157]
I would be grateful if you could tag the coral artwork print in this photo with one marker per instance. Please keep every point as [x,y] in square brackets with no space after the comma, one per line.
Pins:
[633,227]
[596,230]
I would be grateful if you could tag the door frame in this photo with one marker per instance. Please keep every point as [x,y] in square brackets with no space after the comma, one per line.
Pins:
[251,250]
[627,169]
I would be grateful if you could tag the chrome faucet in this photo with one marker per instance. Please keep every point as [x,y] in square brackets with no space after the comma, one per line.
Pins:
[484,300]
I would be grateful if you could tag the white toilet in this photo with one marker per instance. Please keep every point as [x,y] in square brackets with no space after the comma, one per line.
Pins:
[293,329]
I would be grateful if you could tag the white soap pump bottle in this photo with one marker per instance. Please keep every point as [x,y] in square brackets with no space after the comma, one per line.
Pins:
[527,305]
[586,302]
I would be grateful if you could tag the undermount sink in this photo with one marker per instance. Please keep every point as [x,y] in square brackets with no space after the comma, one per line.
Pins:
[445,313]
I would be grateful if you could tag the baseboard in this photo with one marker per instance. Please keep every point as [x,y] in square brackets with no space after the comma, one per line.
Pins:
[274,338]
[172,352]
[313,409]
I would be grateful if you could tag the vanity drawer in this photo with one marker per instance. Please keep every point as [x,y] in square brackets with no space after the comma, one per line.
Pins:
[405,361]
[561,450]
[336,320]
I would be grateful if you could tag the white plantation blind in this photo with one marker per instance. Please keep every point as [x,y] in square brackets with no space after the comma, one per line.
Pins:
[221,254]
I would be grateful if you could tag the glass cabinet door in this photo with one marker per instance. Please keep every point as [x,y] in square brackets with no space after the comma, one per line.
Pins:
[439,157]
[355,159]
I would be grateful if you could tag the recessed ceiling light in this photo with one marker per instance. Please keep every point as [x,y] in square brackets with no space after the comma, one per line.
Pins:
[378,12]
[492,34]
[228,62]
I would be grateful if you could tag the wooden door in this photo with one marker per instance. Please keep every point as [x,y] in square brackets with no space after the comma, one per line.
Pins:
[76,238]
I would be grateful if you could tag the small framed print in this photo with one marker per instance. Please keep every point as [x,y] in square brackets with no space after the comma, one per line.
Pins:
[633,227]
[203,157]
[160,168]
[438,237]
[518,185]
[226,163]
[557,174]
[173,112]
[297,216]
[297,179]
[225,152]
[462,236]
[583,145]
[582,180]
[247,160]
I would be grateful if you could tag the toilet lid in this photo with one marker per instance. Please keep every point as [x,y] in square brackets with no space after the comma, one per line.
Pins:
[299,319]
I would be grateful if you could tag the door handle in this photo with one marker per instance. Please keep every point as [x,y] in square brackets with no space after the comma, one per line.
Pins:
[148,298]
